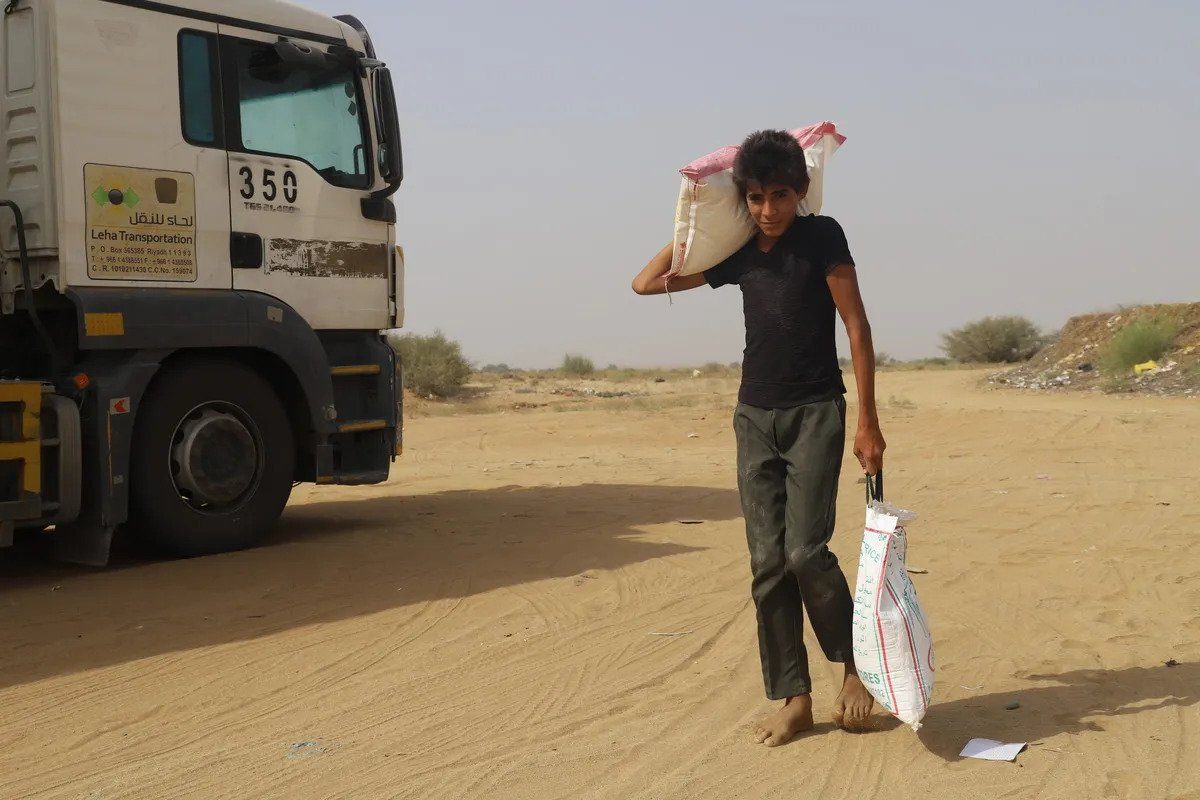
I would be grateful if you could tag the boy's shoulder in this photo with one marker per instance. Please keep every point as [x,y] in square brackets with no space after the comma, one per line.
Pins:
[815,224]
[815,230]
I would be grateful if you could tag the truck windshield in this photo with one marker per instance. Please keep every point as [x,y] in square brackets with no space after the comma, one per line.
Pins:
[314,115]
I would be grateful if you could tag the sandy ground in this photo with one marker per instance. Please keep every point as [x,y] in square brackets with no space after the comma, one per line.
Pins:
[482,626]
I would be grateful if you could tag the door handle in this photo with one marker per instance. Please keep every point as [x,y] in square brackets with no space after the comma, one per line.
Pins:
[245,250]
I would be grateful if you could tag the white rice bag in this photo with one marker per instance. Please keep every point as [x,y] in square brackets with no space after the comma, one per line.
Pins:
[711,221]
[893,648]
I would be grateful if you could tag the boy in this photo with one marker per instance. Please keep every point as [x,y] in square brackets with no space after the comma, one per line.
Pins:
[790,423]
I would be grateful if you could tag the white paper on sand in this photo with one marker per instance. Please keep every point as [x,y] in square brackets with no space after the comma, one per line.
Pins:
[990,750]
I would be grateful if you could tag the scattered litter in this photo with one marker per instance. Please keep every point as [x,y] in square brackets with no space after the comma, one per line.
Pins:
[55,588]
[1042,476]
[915,571]
[695,373]
[999,491]
[678,633]
[970,688]
[1145,366]
[1172,663]
[1164,504]
[1013,706]
[691,522]
[588,391]
[991,750]
[304,749]
[693,436]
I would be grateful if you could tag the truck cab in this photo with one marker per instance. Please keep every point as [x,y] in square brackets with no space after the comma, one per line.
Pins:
[199,259]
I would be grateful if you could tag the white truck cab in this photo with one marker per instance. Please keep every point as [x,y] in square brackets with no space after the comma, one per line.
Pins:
[198,260]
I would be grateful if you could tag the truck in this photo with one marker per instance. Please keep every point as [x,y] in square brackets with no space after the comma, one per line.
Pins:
[199,267]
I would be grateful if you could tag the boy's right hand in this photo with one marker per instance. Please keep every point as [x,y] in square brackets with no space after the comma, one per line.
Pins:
[652,279]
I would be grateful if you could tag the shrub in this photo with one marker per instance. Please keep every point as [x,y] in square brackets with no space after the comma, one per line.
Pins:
[993,340]
[577,365]
[1139,341]
[433,365]
[495,369]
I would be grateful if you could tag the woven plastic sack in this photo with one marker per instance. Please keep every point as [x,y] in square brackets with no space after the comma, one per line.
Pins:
[711,221]
[893,648]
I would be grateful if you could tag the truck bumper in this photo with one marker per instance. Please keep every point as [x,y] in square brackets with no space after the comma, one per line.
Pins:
[20,455]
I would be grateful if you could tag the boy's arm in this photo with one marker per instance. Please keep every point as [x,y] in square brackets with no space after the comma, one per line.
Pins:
[652,279]
[868,441]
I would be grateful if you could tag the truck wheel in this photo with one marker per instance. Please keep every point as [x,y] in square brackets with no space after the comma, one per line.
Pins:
[212,462]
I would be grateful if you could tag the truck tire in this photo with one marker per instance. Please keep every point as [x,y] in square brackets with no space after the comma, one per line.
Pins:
[70,457]
[212,462]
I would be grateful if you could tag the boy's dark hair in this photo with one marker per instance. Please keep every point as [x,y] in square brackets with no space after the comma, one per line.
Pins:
[770,157]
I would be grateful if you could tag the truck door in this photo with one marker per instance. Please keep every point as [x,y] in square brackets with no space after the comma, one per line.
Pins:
[300,164]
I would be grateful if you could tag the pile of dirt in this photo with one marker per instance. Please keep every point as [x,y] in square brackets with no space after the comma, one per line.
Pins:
[1073,360]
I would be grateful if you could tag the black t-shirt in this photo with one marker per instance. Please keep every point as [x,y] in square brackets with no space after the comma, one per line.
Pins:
[791,354]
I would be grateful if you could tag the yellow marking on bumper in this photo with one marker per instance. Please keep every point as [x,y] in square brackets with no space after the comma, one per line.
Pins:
[363,425]
[355,369]
[104,324]
[28,448]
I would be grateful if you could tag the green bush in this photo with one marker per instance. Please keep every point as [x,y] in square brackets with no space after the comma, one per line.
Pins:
[993,340]
[433,365]
[1139,341]
[495,369]
[577,365]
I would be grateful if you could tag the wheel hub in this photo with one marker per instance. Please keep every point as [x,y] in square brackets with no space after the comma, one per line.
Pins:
[215,458]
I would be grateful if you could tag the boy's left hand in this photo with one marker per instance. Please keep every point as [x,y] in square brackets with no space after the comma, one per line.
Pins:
[868,448]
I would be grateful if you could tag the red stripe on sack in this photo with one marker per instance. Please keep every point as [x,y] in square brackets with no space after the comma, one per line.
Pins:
[722,159]
[887,673]
[911,647]
[813,133]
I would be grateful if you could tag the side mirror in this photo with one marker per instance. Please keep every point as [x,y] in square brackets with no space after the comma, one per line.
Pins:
[391,159]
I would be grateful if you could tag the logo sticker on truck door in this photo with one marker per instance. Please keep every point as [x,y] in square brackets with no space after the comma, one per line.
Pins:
[141,224]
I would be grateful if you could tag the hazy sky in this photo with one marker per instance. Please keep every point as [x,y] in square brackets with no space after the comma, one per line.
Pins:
[1028,158]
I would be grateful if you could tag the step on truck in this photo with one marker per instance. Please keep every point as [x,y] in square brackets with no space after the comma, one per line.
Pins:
[199,260]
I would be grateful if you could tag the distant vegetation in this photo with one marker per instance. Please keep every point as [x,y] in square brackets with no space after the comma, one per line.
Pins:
[1140,341]
[994,340]
[578,366]
[433,365]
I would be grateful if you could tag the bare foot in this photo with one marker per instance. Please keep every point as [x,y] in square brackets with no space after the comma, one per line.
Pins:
[852,709]
[779,728]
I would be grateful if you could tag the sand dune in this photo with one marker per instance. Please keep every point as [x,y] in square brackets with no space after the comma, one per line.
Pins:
[483,625]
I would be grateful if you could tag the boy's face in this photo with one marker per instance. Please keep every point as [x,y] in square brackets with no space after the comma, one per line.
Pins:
[773,206]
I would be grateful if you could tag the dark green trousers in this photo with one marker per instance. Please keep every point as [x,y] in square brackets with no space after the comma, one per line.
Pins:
[788,465]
